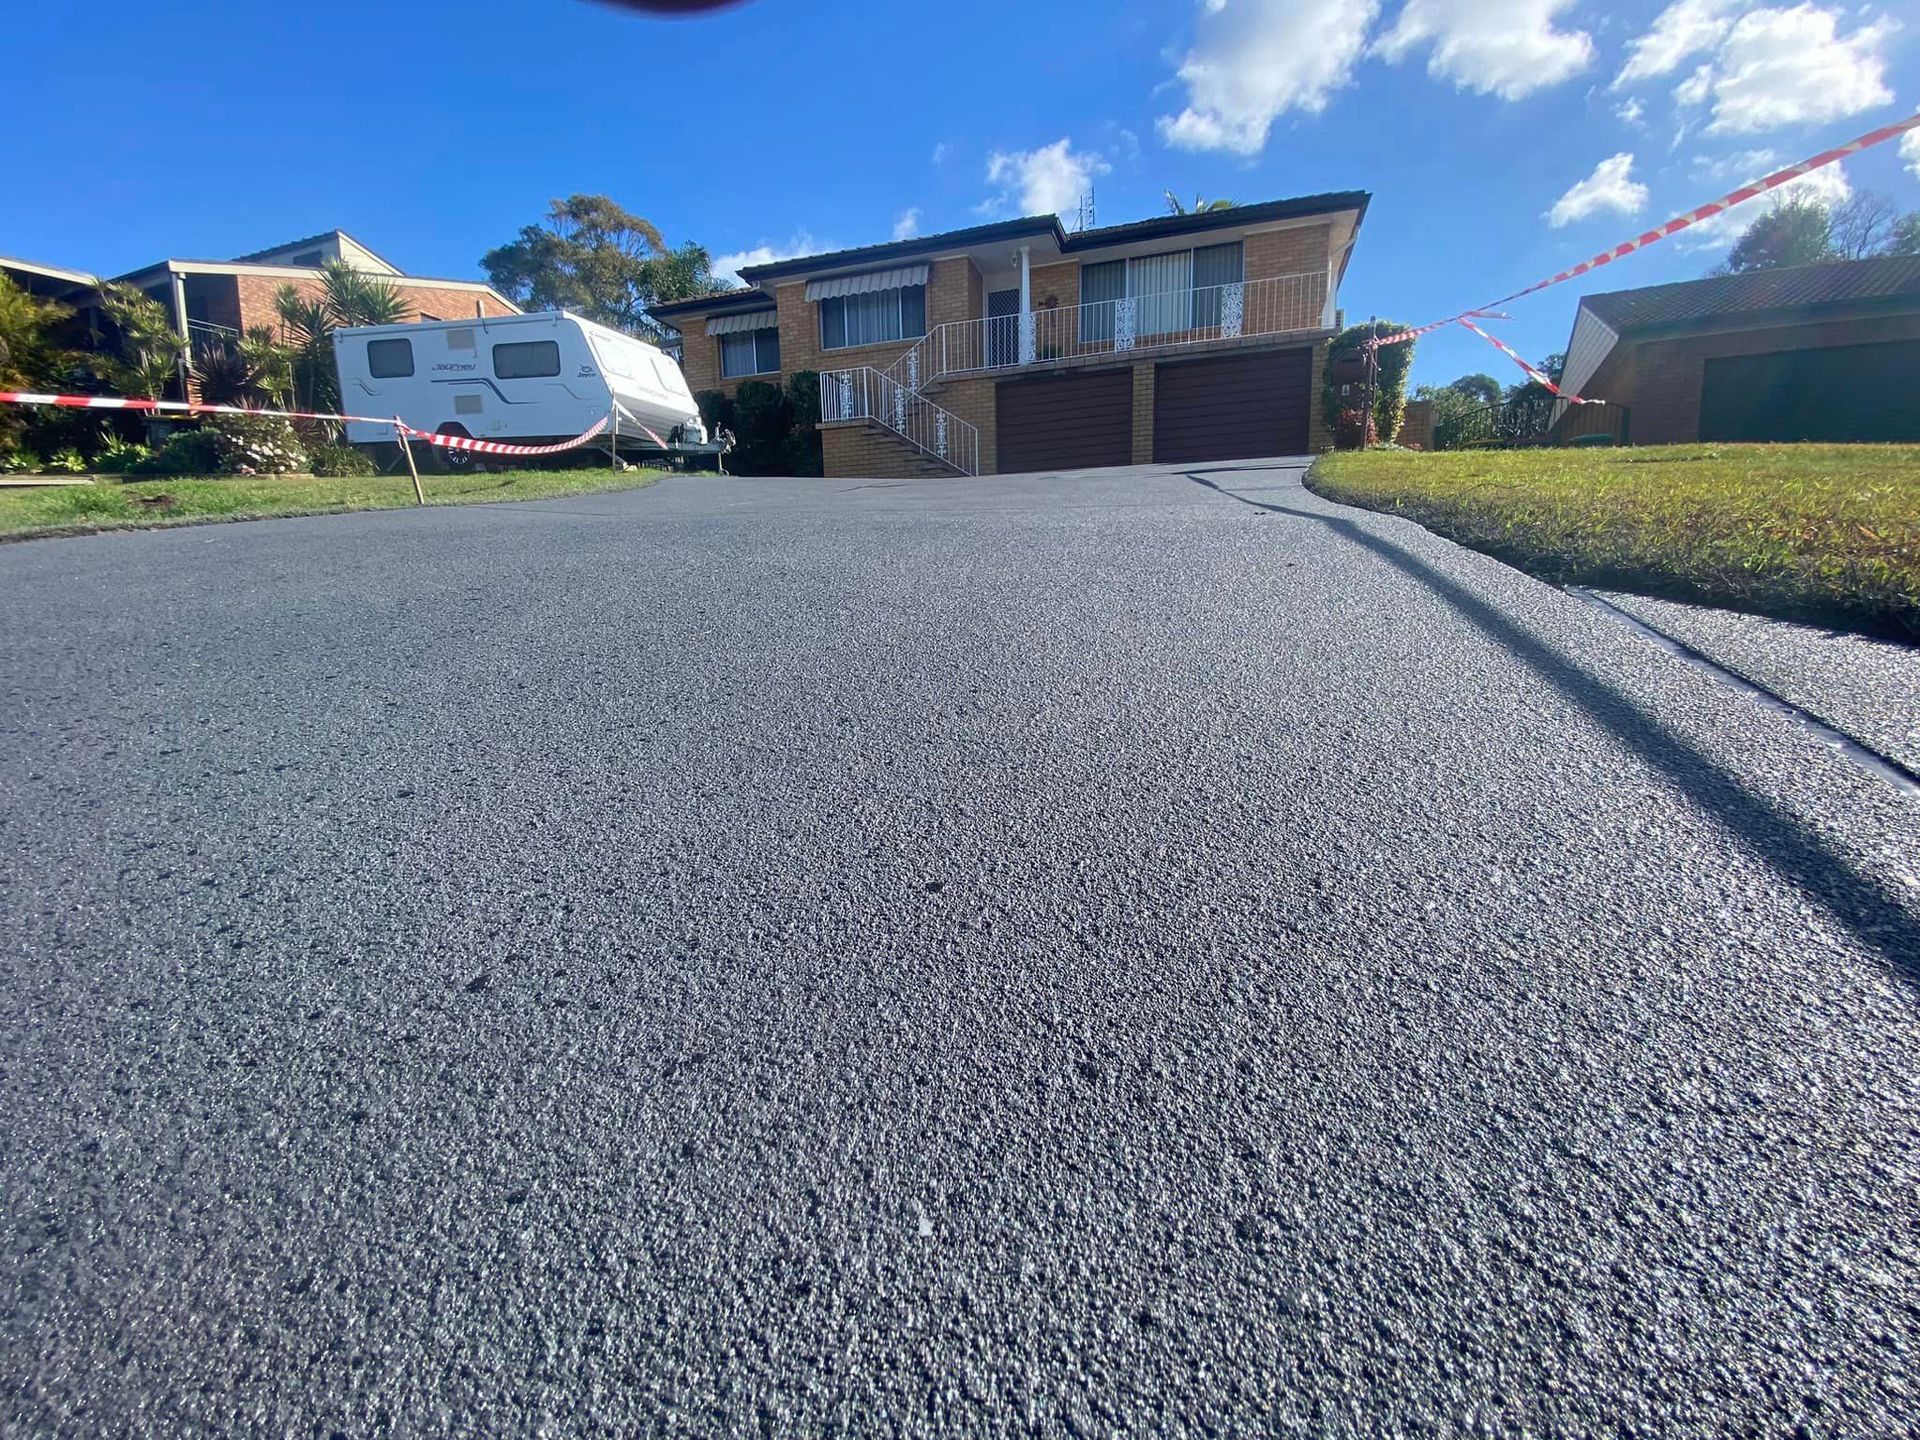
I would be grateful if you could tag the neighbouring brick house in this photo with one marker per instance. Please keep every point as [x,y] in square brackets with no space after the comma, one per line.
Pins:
[216,301]
[1812,352]
[1020,346]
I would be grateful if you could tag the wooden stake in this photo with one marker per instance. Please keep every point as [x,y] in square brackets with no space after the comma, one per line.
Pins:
[406,448]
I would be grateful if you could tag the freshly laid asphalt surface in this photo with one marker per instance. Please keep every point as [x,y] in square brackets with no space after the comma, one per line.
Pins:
[1143,952]
[1865,688]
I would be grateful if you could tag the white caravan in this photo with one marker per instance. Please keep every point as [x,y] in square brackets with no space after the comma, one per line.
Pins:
[532,379]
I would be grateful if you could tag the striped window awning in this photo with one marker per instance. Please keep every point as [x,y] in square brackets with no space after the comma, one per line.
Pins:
[752,320]
[894,279]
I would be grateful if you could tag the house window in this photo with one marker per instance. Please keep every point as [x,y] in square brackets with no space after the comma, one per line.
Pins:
[751,352]
[873,318]
[389,359]
[1213,267]
[526,360]
[1176,291]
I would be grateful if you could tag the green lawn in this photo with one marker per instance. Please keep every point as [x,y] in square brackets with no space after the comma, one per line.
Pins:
[78,509]
[1828,533]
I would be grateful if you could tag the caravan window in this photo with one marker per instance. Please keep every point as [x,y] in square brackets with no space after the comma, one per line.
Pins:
[613,357]
[389,359]
[526,360]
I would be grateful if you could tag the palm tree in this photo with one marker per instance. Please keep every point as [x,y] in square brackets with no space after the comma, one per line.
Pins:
[1199,206]
[150,349]
[347,297]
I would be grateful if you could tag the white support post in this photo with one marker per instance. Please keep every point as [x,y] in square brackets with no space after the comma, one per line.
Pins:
[1026,307]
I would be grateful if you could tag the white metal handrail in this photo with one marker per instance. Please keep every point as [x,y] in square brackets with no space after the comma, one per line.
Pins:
[863,393]
[1170,319]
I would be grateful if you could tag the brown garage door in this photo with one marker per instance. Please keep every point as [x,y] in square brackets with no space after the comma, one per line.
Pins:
[1232,407]
[1065,422]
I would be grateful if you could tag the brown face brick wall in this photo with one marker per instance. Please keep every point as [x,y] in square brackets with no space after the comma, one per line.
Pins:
[1669,375]
[1416,425]
[256,292]
[700,360]
[1143,385]
[1058,284]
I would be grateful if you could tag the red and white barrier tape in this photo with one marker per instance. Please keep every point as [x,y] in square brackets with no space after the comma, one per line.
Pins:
[1532,374]
[1678,223]
[497,447]
[188,407]
[174,407]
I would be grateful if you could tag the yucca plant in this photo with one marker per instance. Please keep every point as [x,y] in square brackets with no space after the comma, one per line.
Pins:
[227,375]
[354,297]
[272,363]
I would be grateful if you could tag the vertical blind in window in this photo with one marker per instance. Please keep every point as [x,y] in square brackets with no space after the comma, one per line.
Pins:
[1100,286]
[1164,285]
[750,352]
[1214,266]
[1177,291]
[873,318]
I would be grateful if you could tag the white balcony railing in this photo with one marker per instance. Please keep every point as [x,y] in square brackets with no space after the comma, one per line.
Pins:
[863,393]
[1206,316]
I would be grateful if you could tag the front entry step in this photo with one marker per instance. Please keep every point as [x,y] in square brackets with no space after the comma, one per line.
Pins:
[868,450]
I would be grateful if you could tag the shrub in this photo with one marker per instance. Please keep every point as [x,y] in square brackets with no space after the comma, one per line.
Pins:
[764,418]
[804,455]
[19,462]
[67,462]
[1346,430]
[186,452]
[1390,390]
[716,410]
[257,445]
[117,455]
[340,460]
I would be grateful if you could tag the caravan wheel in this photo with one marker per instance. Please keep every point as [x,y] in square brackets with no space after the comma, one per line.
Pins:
[448,461]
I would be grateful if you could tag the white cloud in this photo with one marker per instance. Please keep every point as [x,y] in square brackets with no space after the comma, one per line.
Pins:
[1910,151]
[1828,185]
[1695,89]
[1611,186]
[906,224]
[1682,30]
[1050,179]
[941,151]
[728,267]
[1740,166]
[1630,112]
[1254,60]
[1507,50]
[1790,67]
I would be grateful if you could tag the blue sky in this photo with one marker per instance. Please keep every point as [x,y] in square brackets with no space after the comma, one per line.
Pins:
[433,131]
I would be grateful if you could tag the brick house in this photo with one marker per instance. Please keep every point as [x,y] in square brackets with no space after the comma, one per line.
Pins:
[1019,346]
[216,301]
[1811,352]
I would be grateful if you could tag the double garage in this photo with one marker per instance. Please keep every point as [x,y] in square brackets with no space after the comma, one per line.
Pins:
[1227,407]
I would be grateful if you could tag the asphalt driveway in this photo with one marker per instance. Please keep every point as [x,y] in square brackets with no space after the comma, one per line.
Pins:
[1137,952]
